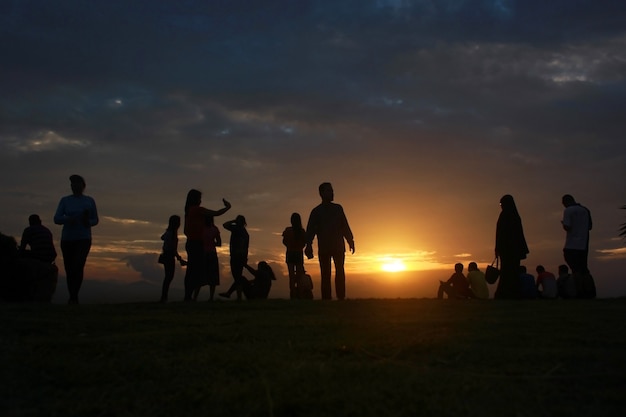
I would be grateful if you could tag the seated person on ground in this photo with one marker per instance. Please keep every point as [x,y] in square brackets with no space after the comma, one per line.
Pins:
[304,287]
[456,286]
[477,281]
[565,283]
[259,287]
[527,282]
[546,283]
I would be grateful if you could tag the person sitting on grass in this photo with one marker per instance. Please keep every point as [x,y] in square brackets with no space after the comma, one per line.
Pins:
[456,287]
[477,281]
[565,283]
[304,287]
[527,284]
[546,283]
[259,287]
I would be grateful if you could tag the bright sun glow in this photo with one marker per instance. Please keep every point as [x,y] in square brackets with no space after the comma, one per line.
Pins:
[393,266]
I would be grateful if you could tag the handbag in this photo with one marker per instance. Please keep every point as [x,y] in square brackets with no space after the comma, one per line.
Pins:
[492,273]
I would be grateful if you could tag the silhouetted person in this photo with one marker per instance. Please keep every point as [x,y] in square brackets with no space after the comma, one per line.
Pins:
[22,278]
[328,222]
[259,287]
[477,281]
[239,242]
[78,214]
[527,281]
[195,221]
[170,254]
[39,238]
[577,224]
[304,287]
[457,286]
[294,239]
[565,283]
[212,240]
[546,283]
[511,247]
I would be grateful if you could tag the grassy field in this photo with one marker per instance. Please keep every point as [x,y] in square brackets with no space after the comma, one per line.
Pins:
[282,358]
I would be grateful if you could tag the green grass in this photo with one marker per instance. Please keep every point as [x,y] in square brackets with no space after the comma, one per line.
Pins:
[282,358]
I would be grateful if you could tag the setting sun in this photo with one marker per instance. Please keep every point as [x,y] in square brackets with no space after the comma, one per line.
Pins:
[393,265]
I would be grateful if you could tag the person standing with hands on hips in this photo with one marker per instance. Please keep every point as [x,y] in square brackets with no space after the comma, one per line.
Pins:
[328,222]
[78,214]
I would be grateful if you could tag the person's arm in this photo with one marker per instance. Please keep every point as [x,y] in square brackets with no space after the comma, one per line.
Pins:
[311,231]
[251,270]
[25,240]
[229,225]
[93,214]
[59,215]
[347,232]
[566,221]
[221,211]
[218,239]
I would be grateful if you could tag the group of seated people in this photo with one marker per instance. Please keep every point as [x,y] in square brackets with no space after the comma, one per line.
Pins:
[27,271]
[474,285]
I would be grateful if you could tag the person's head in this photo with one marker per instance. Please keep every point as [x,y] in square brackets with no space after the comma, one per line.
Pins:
[540,269]
[563,270]
[240,221]
[34,220]
[194,198]
[507,203]
[77,183]
[472,266]
[458,267]
[174,222]
[326,192]
[296,221]
[568,200]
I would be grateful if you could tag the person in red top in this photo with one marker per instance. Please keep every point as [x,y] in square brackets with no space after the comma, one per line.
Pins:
[456,286]
[212,239]
[195,220]
[546,283]
[294,239]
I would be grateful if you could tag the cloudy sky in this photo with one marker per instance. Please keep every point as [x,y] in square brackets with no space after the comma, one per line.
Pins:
[422,114]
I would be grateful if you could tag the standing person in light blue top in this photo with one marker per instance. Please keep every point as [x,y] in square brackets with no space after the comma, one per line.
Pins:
[77,213]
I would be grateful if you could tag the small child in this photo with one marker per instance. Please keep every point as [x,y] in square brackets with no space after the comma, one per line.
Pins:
[170,252]
[304,287]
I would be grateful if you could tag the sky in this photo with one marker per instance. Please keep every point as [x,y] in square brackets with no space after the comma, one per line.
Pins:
[421,113]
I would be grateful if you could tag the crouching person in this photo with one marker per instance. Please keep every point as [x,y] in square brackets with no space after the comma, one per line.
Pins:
[259,287]
[24,279]
[457,286]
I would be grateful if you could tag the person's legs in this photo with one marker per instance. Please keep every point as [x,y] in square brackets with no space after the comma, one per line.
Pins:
[293,276]
[75,254]
[445,288]
[509,284]
[576,260]
[169,267]
[340,275]
[195,266]
[236,269]
[325,271]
